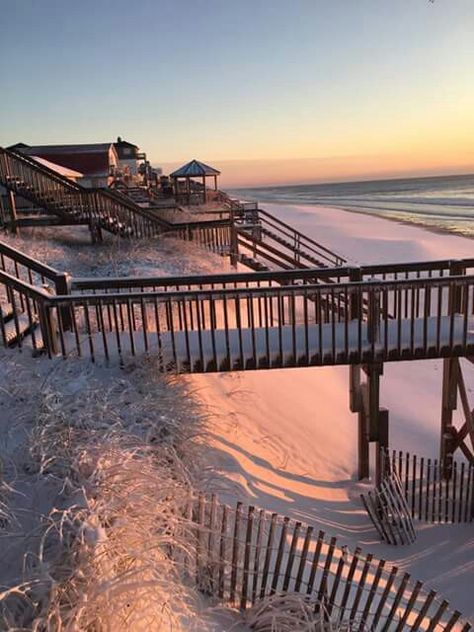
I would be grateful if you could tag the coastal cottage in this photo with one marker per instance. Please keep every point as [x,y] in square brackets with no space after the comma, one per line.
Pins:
[96,162]
[134,167]
[129,156]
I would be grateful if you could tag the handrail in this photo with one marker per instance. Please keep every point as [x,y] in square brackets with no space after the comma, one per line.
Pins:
[130,205]
[300,235]
[22,286]
[278,276]
[204,293]
[29,262]
[276,223]
[39,167]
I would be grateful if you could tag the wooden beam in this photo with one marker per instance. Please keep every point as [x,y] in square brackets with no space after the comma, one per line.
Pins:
[372,421]
[48,220]
[355,403]
[448,405]
[453,438]
[13,213]
[468,413]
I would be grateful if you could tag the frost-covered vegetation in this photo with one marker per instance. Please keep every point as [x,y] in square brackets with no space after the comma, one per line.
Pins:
[97,468]
[72,251]
[97,465]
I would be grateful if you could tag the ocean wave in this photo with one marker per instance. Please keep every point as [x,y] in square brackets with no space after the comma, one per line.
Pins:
[445,202]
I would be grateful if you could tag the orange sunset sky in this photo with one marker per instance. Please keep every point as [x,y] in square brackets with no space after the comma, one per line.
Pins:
[270,92]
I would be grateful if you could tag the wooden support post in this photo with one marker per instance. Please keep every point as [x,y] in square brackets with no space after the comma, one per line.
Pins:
[13,213]
[354,388]
[234,240]
[3,212]
[381,446]
[96,232]
[448,405]
[372,421]
[451,370]
[358,391]
[48,326]
[363,469]
[63,288]
[373,371]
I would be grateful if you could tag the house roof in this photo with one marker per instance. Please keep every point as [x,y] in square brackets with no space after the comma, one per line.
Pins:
[122,143]
[18,146]
[125,149]
[89,160]
[63,171]
[195,169]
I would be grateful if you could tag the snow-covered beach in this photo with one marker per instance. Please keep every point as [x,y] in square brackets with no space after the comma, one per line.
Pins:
[285,440]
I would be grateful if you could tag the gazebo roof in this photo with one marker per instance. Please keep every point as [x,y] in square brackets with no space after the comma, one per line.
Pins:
[195,169]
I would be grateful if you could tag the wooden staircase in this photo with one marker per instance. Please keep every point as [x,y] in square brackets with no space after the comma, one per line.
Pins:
[72,203]
[265,242]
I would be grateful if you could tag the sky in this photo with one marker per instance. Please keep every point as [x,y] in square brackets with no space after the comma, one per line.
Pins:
[269,91]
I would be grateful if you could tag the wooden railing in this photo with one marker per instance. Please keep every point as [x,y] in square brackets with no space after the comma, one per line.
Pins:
[383,272]
[266,237]
[236,329]
[244,555]
[58,195]
[270,319]
[34,272]
[28,310]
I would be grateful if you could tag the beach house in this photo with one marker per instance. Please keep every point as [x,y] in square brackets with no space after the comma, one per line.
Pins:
[96,162]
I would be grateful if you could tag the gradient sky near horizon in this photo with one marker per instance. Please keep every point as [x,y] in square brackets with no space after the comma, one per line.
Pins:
[270,91]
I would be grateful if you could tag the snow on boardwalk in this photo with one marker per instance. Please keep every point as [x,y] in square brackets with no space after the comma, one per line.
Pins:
[299,345]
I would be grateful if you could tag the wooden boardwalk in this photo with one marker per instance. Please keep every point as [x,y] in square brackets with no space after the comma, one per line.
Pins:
[273,347]
[360,317]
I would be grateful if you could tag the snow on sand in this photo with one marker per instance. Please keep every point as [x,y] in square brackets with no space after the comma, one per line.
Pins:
[286,441]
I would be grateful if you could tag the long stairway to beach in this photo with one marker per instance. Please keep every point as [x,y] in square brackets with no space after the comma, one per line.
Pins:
[70,203]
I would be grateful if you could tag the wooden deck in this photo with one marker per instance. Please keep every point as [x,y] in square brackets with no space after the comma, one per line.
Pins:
[220,350]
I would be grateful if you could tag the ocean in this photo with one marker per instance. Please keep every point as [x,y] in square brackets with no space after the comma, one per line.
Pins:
[440,203]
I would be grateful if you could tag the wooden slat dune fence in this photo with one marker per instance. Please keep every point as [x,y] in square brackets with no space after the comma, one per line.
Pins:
[430,496]
[389,511]
[243,555]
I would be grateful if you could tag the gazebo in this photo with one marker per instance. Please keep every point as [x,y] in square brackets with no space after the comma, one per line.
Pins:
[189,173]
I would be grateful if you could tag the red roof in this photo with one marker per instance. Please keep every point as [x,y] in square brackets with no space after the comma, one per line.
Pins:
[91,160]
[90,164]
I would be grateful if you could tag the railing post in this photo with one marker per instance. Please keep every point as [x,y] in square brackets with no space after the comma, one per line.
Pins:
[355,276]
[450,382]
[48,327]
[63,288]
[373,316]
[456,268]
[13,214]
[234,239]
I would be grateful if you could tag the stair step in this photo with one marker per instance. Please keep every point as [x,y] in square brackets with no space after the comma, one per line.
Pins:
[253,263]
[6,311]
[291,246]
